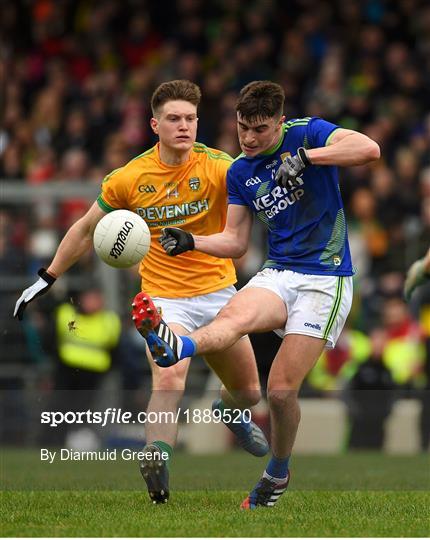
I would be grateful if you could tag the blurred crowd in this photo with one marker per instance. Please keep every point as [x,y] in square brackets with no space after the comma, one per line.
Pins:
[78,76]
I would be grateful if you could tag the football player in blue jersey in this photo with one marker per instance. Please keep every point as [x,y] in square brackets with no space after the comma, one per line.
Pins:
[287,177]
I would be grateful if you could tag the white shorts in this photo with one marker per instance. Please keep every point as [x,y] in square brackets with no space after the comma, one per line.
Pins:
[316,305]
[194,312]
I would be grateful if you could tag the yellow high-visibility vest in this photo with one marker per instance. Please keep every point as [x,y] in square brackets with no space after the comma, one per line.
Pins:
[85,341]
[404,357]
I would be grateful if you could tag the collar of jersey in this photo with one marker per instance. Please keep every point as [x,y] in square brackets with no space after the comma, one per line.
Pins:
[166,166]
[277,145]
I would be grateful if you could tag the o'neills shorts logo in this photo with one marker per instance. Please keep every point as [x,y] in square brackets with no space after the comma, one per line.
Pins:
[121,239]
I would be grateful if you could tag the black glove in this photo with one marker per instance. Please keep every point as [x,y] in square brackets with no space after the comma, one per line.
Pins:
[176,241]
[291,168]
[42,285]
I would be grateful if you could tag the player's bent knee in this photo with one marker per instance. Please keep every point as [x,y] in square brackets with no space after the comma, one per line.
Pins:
[279,399]
[252,397]
[237,318]
[169,379]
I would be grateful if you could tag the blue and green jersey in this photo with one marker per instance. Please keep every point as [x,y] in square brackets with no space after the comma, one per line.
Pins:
[306,223]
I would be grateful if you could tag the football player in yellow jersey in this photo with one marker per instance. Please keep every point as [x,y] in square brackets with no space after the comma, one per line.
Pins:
[177,182]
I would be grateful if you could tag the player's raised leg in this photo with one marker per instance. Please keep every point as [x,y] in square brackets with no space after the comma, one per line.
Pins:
[168,387]
[237,369]
[253,309]
[295,358]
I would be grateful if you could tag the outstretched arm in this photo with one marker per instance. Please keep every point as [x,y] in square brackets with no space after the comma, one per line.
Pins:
[76,241]
[231,242]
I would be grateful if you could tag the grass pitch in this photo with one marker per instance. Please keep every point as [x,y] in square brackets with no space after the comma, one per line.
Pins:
[348,495]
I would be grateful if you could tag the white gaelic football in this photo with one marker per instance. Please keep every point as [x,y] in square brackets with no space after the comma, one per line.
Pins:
[121,238]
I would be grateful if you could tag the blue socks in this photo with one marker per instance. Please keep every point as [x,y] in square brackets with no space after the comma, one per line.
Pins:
[188,347]
[278,467]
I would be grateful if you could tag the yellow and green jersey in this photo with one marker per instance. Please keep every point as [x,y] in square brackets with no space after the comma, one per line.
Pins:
[192,196]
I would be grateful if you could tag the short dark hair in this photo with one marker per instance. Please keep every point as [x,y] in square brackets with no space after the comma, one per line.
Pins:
[180,89]
[260,99]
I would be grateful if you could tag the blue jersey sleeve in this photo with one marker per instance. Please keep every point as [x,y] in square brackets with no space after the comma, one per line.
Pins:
[234,195]
[318,131]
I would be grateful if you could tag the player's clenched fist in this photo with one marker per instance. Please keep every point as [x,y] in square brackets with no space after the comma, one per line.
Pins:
[291,168]
[175,241]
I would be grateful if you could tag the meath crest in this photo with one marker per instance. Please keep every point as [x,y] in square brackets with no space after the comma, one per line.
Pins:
[194,183]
